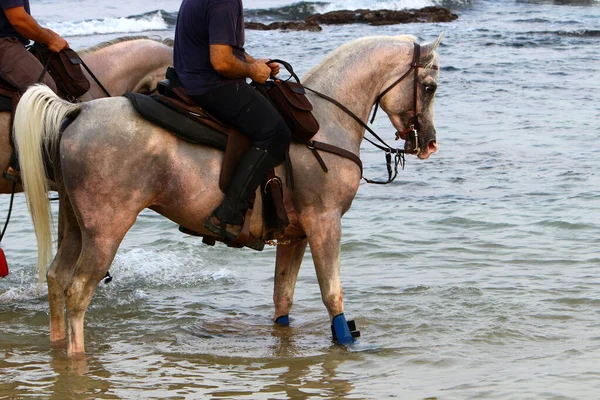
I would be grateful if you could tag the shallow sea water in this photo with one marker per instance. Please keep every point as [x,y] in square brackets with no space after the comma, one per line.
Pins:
[474,276]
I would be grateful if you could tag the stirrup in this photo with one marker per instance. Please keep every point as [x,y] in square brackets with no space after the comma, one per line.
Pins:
[220,229]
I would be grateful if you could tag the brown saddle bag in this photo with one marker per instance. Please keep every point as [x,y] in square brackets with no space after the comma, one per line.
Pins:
[290,100]
[65,69]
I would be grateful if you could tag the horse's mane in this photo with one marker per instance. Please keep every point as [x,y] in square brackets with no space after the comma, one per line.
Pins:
[100,46]
[366,44]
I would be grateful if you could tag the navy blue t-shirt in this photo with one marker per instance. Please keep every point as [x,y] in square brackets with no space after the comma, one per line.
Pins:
[6,29]
[201,23]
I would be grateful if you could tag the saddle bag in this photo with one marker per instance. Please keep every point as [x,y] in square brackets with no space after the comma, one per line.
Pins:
[65,69]
[290,100]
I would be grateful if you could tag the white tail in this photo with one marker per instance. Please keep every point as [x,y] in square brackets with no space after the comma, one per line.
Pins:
[36,130]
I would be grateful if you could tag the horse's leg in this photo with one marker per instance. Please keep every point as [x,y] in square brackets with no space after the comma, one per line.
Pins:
[99,243]
[96,255]
[61,270]
[324,234]
[287,266]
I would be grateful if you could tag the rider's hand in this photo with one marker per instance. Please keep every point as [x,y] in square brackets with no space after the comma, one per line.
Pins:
[273,65]
[274,68]
[260,71]
[57,44]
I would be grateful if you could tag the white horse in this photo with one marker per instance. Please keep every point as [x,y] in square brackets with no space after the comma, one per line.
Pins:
[127,64]
[114,164]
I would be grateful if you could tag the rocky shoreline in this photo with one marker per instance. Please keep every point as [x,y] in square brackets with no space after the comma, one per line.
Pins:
[371,17]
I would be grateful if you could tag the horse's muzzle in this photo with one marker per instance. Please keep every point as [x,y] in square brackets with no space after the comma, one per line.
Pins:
[421,144]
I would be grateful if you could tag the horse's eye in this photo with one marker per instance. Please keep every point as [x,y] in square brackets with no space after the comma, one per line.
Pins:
[430,89]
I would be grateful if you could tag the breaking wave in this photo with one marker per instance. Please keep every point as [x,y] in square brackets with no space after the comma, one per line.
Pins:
[153,21]
[160,20]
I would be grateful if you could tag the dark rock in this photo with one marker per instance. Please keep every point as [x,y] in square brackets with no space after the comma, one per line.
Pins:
[385,17]
[293,26]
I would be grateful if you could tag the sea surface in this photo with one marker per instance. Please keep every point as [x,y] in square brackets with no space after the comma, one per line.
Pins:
[475,275]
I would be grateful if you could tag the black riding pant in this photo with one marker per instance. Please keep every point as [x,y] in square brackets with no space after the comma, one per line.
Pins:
[241,106]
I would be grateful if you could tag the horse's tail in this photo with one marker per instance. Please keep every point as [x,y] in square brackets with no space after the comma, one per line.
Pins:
[37,122]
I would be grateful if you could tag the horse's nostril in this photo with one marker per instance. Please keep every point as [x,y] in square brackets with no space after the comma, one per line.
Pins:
[432,146]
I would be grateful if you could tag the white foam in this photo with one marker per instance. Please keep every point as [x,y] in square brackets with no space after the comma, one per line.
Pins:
[376,5]
[152,22]
[23,292]
[166,267]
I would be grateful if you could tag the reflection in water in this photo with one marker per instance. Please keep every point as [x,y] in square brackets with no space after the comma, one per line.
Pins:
[79,377]
[305,377]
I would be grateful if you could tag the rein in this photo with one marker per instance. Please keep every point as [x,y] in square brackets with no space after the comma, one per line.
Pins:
[94,77]
[399,159]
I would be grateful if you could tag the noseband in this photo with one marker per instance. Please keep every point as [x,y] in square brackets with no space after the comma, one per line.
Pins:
[412,129]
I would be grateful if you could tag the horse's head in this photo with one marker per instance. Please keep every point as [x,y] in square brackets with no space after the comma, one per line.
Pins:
[408,99]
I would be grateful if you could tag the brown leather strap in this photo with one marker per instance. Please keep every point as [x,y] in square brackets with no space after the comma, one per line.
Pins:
[289,170]
[319,159]
[245,235]
[313,144]
[275,188]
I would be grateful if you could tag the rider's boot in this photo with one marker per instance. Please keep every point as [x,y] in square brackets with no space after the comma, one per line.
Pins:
[227,220]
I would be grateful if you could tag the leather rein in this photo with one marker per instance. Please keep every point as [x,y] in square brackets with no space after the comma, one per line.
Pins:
[413,128]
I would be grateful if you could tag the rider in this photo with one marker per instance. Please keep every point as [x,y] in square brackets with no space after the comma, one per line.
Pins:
[18,67]
[211,62]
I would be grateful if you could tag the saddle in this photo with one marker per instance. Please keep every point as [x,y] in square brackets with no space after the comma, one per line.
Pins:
[172,109]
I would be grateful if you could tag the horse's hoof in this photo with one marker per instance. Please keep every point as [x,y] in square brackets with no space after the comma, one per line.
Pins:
[283,320]
[343,331]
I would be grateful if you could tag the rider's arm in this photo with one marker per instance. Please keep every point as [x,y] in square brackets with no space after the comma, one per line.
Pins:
[228,65]
[249,58]
[27,26]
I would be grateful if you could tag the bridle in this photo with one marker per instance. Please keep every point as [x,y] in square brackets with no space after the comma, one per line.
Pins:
[414,121]
[412,129]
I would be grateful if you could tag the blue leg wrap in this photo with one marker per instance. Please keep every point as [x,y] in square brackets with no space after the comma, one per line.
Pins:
[343,331]
[283,320]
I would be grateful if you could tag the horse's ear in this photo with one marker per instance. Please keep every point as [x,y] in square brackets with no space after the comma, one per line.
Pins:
[427,49]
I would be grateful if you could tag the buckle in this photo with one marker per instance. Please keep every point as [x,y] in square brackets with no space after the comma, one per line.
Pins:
[12,175]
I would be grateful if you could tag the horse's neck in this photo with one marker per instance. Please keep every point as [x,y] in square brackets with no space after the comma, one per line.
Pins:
[123,66]
[355,79]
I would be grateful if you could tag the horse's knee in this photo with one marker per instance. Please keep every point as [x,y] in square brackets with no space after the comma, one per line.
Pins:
[51,276]
[55,279]
[80,292]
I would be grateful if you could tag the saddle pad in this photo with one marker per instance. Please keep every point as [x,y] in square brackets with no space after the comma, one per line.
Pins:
[176,123]
[5,103]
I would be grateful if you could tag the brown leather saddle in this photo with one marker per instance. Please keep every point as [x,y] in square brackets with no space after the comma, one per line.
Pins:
[175,111]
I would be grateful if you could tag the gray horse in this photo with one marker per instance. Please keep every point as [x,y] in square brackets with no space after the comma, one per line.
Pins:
[127,64]
[114,164]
